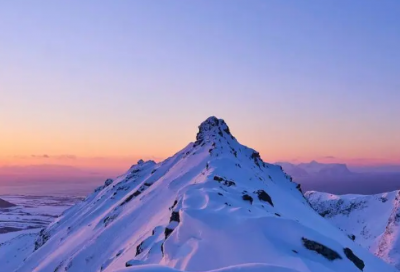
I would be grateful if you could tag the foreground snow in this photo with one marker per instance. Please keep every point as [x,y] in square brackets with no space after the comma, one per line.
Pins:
[373,221]
[213,206]
[238,268]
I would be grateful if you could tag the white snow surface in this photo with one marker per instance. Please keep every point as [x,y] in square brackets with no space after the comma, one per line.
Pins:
[374,220]
[198,210]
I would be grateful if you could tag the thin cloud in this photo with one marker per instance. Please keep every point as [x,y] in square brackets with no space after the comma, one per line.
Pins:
[66,157]
[329,157]
[44,156]
[56,157]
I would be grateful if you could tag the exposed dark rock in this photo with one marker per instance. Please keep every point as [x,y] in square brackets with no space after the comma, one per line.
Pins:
[220,194]
[219,179]
[209,127]
[109,219]
[295,251]
[174,217]
[325,213]
[277,214]
[129,198]
[262,195]
[298,187]
[352,237]
[168,232]
[256,158]
[131,263]
[354,259]
[325,251]
[173,205]
[42,239]
[255,155]
[60,265]
[139,249]
[225,182]
[152,172]
[247,198]
[108,182]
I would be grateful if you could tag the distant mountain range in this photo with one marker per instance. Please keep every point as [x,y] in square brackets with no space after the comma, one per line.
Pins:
[5,204]
[315,168]
[338,178]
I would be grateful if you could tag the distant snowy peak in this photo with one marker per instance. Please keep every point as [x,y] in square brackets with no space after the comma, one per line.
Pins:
[329,168]
[373,221]
[213,206]
[293,170]
[315,168]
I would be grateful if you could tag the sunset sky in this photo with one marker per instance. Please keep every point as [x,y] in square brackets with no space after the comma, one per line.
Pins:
[99,84]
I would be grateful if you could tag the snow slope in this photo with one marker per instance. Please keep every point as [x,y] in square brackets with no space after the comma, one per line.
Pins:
[373,221]
[213,206]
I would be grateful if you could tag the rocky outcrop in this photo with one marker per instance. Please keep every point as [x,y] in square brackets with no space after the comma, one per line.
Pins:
[325,251]
[354,259]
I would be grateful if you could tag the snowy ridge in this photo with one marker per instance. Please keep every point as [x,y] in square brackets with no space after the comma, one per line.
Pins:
[213,206]
[372,221]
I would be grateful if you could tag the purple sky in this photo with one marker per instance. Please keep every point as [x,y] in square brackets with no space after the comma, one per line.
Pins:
[120,80]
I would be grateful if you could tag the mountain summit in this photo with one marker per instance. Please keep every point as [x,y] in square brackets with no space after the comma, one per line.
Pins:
[212,127]
[213,206]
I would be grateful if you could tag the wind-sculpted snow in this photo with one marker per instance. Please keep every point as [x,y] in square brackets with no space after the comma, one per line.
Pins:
[213,206]
[239,268]
[372,221]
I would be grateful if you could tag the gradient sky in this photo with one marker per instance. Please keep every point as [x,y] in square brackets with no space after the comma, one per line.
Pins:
[102,83]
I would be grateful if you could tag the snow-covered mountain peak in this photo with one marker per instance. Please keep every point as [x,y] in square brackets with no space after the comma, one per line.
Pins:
[211,129]
[213,206]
